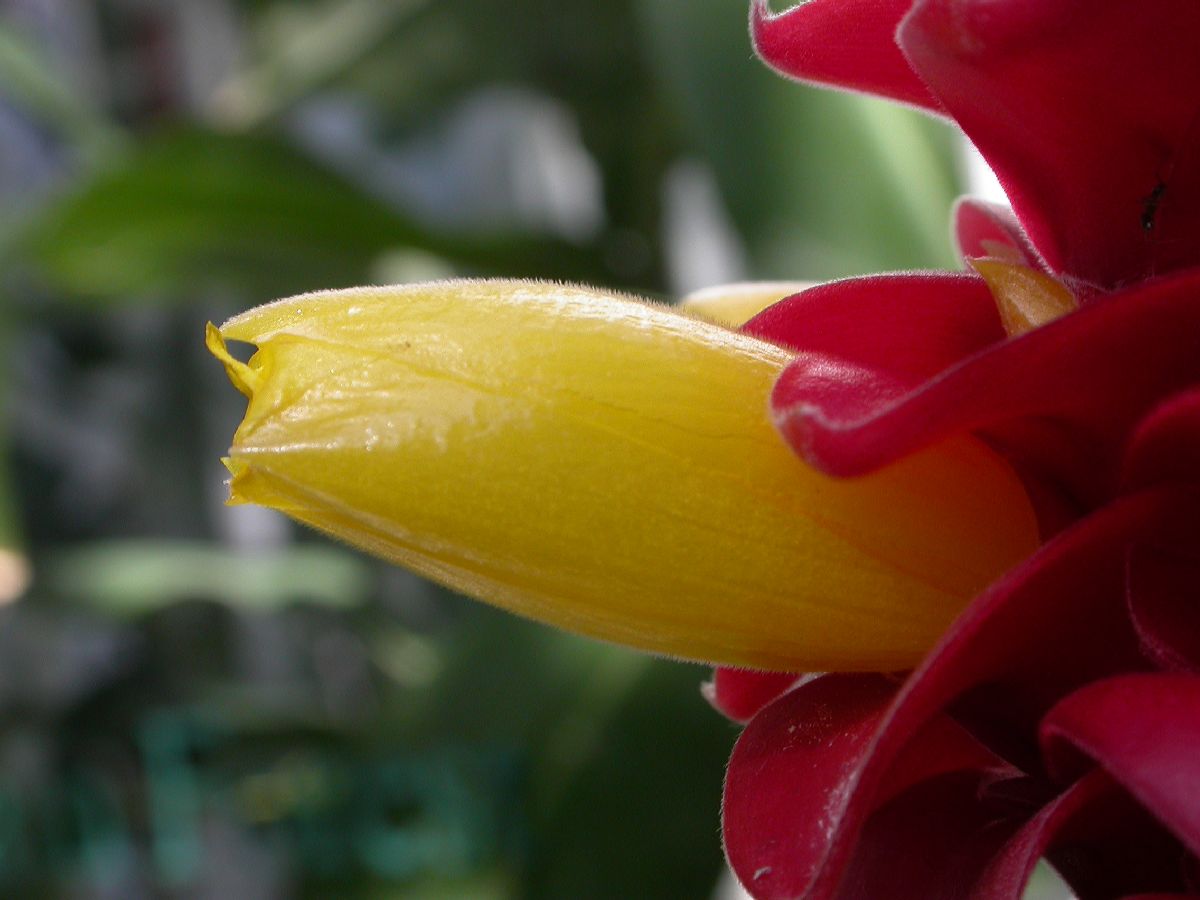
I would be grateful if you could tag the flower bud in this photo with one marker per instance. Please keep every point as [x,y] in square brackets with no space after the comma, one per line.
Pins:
[608,466]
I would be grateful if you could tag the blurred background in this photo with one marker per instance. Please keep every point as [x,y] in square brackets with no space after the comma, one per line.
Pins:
[202,701]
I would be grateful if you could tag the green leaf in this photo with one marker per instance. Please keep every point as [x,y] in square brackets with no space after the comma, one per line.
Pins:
[640,818]
[618,748]
[195,209]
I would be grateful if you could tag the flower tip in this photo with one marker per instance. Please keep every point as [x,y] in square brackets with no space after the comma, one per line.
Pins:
[237,472]
[242,376]
[761,15]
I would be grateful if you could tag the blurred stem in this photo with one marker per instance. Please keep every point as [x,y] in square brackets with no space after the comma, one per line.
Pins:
[15,572]
[313,53]
[31,80]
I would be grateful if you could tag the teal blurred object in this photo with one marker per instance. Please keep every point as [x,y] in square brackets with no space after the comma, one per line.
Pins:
[200,701]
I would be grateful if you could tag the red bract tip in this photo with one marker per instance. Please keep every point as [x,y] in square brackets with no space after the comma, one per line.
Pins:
[845,43]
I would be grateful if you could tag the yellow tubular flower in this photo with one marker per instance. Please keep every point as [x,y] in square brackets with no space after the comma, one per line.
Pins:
[607,466]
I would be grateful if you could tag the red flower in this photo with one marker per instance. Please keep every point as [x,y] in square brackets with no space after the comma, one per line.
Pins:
[1060,715]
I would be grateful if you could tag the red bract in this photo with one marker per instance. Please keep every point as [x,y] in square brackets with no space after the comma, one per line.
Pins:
[1059,717]
[1086,109]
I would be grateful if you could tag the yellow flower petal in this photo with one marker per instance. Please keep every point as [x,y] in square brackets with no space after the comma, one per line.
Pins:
[736,304]
[607,466]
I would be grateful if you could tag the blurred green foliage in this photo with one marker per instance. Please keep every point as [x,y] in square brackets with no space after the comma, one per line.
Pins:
[245,212]
[199,701]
